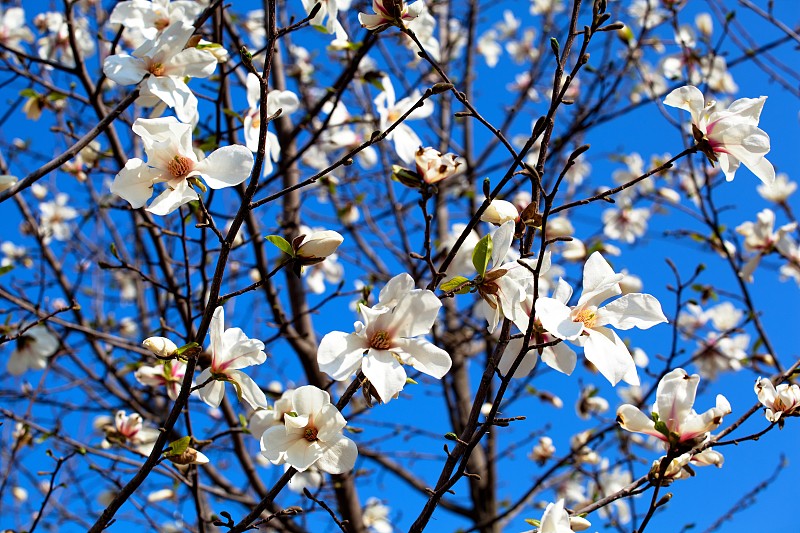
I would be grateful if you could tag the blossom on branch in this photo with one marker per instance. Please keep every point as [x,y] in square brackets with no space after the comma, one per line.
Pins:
[780,401]
[311,434]
[33,349]
[172,160]
[729,136]
[585,323]
[390,13]
[387,340]
[231,350]
[169,374]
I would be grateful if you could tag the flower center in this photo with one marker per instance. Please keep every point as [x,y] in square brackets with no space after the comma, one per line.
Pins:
[180,165]
[381,340]
[161,23]
[157,69]
[310,434]
[587,316]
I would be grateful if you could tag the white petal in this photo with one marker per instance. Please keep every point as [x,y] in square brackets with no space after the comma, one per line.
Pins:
[309,400]
[340,354]
[606,351]
[385,374]
[632,310]
[338,457]
[560,357]
[193,63]
[688,98]
[632,419]
[226,166]
[171,199]
[134,183]
[124,69]
[509,356]
[415,314]
[213,392]
[425,357]
[556,320]
[274,443]
[251,393]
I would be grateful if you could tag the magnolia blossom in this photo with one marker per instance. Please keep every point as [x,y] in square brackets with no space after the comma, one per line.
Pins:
[13,29]
[168,63]
[231,350]
[779,190]
[678,467]
[330,271]
[730,136]
[172,160]
[329,9]
[160,346]
[387,340]
[7,181]
[718,353]
[376,516]
[390,13]
[626,223]
[432,166]
[33,349]
[672,418]
[315,247]
[285,101]
[584,324]
[150,18]
[56,43]
[556,520]
[780,402]
[56,215]
[128,430]
[499,212]
[311,434]
[169,374]
[761,238]
[406,142]
[543,450]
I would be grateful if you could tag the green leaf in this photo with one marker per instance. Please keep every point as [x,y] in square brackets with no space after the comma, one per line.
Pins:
[533,522]
[281,243]
[179,446]
[56,96]
[186,347]
[6,269]
[451,436]
[554,46]
[482,254]
[29,93]
[452,284]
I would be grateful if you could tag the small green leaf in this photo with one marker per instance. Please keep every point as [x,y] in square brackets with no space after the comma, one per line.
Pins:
[179,446]
[410,381]
[113,248]
[56,96]
[242,421]
[451,436]
[533,522]
[452,284]
[482,254]
[6,269]
[554,46]
[186,347]
[281,243]
[29,93]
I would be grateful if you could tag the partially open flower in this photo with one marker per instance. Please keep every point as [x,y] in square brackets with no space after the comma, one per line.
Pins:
[432,166]
[160,346]
[780,401]
[311,249]
[390,13]
[499,212]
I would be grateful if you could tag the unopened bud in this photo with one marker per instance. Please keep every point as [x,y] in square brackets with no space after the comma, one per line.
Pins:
[579,523]
[160,346]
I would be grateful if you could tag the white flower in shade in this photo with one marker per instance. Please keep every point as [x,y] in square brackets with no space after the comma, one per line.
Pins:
[330,271]
[725,316]
[387,340]
[503,286]
[13,29]
[462,262]
[558,357]
[56,44]
[7,181]
[555,519]
[33,349]
[730,136]
[543,450]
[424,27]
[499,212]
[168,63]
[761,238]
[432,166]
[129,431]
[169,374]
[160,346]
[286,101]
[406,142]
[780,402]
[376,516]
[150,18]
[329,9]
[172,160]
[310,479]
[626,223]
[311,434]
[584,324]
[231,350]
[390,13]
[672,419]
[718,353]
[54,223]
[779,190]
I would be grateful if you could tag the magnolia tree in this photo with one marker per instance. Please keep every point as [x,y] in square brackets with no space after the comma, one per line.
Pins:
[316,265]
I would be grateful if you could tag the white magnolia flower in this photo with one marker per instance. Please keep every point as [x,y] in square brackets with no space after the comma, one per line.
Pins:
[555,519]
[150,18]
[424,27]
[433,166]
[56,43]
[543,450]
[7,181]
[285,101]
[779,190]
[388,339]
[590,403]
[172,160]
[376,516]
[330,271]
[54,223]
[168,64]
[672,419]
[626,223]
[329,9]
[462,262]
[13,29]
[169,374]
[231,350]
[761,238]
[730,136]
[558,357]
[406,142]
[584,324]
[499,212]
[390,13]
[608,482]
[128,430]
[780,402]
[311,434]
[33,349]
[314,247]
[719,354]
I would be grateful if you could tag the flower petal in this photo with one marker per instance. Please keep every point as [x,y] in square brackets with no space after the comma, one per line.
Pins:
[424,356]
[339,354]
[632,310]
[606,351]
[385,373]
[556,319]
[338,457]
[226,166]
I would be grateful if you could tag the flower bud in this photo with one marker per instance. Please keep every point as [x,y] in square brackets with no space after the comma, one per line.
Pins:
[7,181]
[578,523]
[704,24]
[318,246]
[160,346]
[500,212]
